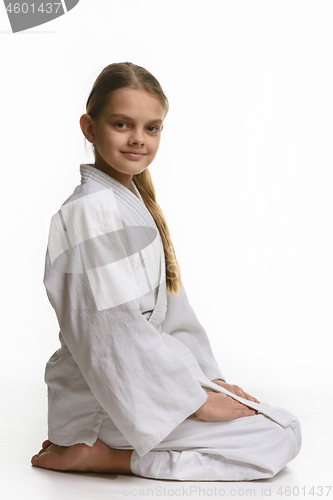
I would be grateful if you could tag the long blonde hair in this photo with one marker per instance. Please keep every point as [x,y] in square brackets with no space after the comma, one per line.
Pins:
[128,75]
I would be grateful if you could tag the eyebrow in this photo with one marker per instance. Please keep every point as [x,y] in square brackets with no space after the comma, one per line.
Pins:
[125,117]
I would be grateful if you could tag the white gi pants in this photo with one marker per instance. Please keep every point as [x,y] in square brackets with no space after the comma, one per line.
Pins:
[243,449]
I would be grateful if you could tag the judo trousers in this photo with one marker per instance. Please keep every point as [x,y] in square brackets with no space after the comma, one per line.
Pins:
[243,449]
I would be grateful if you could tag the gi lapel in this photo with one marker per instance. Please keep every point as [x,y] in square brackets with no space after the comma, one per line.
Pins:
[139,227]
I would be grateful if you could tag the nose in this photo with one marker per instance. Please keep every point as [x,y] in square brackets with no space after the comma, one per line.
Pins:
[137,137]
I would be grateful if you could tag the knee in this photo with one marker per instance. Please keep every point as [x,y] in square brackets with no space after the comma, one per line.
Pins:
[290,440]
[296,429]
[290,436]
[282,445]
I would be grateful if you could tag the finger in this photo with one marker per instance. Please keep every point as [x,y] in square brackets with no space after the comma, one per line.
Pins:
[237,405]
[237,390]
[242,412]
[252,398]
[246,409]
[249,397]
[248,412]
[241,406]
[242,394]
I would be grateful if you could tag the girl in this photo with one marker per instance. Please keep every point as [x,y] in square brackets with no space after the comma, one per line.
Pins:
[134,387]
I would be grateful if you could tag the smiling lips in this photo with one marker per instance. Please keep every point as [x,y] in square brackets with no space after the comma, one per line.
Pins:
[134,155]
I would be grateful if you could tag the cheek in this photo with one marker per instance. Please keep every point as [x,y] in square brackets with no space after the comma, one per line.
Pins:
[154,144]
[114,140]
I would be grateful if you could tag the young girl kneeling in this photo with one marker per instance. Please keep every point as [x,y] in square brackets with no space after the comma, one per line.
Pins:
[134,387]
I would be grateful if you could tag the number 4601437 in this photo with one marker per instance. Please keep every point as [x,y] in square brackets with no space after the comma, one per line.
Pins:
[24,8]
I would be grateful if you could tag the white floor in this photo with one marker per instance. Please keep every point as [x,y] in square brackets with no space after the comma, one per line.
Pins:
[23,420]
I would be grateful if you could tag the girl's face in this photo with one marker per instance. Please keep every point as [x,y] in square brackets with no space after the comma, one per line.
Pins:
[127,134]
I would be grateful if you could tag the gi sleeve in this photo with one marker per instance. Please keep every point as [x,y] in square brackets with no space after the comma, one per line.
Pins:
[142,385]
[181,322]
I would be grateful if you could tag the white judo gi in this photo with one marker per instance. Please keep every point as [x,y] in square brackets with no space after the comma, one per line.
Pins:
[135,363]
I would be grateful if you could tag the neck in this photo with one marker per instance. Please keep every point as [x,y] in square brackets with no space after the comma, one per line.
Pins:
[124,179]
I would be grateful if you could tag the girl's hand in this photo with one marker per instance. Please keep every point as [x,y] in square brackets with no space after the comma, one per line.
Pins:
[235,390]
[220,407]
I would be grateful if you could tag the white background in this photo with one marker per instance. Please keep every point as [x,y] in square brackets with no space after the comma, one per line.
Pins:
[243,176]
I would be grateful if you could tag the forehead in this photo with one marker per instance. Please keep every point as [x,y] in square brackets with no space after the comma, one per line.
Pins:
[136,103]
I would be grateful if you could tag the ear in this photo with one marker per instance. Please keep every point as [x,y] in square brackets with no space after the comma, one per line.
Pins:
[87,127]
[161,128]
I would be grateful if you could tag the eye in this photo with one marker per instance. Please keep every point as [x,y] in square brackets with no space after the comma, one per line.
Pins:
[121,125]
[152,128]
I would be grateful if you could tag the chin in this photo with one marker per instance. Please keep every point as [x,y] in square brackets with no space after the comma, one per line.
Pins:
[137,171]
[142,170]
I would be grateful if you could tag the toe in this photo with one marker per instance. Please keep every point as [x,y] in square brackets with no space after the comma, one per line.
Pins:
[45,445]
[51,458]
[42,460]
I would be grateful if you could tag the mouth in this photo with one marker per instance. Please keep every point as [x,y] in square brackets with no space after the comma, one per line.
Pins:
[135,155]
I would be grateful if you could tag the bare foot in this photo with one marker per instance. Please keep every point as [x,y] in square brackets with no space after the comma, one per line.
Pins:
[83,458]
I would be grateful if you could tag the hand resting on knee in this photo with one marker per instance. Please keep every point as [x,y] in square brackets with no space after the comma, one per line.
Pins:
[220,407]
